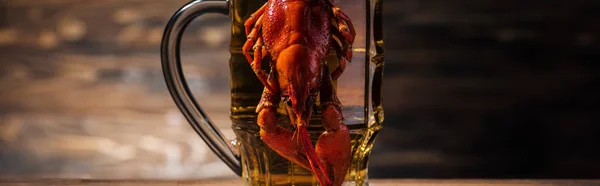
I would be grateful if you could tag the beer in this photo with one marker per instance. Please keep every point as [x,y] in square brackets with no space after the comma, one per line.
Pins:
[263,166]
[260,164]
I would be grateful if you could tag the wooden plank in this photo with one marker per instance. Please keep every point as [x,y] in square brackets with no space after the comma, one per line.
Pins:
[122,144]
[439,25]
[128,77]
[503,91]
[104,26]
[77,82]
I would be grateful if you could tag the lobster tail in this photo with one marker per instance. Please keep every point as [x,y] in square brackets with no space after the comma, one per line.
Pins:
[311,155]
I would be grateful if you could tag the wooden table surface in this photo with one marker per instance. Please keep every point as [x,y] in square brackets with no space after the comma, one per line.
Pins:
[373,182]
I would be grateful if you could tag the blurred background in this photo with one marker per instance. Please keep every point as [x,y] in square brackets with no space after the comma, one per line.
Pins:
[472,89]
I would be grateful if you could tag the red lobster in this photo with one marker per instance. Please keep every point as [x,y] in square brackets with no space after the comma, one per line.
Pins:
[298,35]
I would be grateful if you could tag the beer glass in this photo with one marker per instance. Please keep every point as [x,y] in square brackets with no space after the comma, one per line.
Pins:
[358,89]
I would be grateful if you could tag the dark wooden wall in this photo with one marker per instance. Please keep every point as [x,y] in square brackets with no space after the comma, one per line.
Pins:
[82,91]
[472,89]
[491,89]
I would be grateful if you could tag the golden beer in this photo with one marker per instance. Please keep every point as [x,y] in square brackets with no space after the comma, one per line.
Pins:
[358,89]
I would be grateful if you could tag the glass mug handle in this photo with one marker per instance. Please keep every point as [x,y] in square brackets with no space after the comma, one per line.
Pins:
[178,88]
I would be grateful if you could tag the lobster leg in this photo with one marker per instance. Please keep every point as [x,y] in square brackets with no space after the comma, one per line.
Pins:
[281,140]
[333,147]
[344,25]
[251,37]
[339,49]
[259,51]
[344,37]
[257,63]
[254,17]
